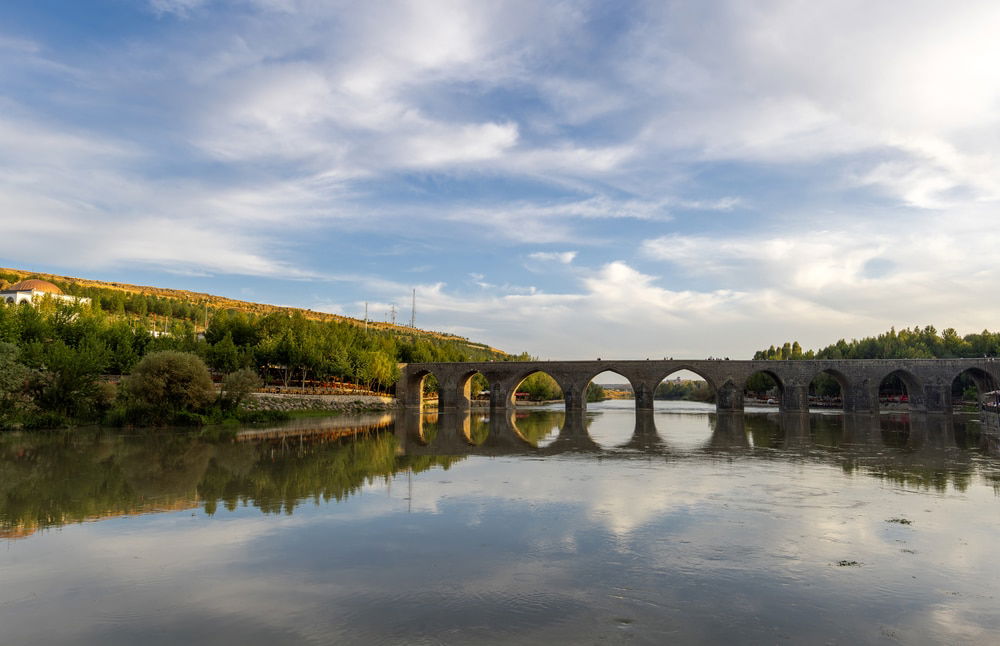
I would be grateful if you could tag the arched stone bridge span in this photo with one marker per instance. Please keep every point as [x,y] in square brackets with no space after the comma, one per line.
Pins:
[928,381]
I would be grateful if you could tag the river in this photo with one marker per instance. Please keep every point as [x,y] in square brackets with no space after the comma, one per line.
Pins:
[675,526]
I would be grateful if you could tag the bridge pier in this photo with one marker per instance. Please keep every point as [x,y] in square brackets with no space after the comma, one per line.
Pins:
[937,396]
[409,389]
[794,398]
[501,395]
[860,397]
[644,395]
[575,397]
[729,398]
[453,396]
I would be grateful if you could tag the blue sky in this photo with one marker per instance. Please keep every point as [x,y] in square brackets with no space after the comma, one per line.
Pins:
[574,179]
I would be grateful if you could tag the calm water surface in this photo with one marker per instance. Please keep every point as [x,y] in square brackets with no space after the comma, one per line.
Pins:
[680,526]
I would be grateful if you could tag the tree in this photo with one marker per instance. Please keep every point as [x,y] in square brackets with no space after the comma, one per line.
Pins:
[66,379]
[224,355]
[167,383]
[14,398]
[595,392]
[237,386]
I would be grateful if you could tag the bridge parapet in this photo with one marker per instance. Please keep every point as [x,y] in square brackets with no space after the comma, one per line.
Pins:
[928,381]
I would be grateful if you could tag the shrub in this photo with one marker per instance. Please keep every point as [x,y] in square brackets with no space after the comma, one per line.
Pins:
[237,386]
[168,385]
[47,420]
[15,401]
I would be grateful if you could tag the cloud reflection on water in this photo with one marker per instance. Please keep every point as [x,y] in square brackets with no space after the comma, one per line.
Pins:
[693,526]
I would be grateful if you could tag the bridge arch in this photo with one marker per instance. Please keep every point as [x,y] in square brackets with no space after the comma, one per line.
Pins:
[828,388]
[900,386]
[673,389]
[594,374]
[543,387]
[766,384]
[981,381]
[704,374]
[469,386]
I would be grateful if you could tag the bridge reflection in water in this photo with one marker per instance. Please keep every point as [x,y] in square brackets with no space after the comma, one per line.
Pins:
[552,433]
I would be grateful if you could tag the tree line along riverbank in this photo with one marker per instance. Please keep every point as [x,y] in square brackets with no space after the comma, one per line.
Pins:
[65,364]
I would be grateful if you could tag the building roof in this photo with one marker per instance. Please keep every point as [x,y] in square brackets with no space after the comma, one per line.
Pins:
[34,284]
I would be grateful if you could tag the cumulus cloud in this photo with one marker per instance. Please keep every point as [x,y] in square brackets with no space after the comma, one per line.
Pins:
[774,167]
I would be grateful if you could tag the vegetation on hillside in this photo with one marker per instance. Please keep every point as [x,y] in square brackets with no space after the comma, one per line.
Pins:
[59,362]
[163,309]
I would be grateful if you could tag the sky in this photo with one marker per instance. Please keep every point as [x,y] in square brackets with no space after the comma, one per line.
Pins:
[570,179]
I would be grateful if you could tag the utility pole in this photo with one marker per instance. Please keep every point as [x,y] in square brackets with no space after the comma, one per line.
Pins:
[366,316]
[393,313]
[413,309]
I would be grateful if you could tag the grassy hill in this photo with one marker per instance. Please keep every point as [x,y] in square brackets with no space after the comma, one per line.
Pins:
[200,306]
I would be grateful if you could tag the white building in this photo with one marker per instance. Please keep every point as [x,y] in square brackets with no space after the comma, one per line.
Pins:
[29,291]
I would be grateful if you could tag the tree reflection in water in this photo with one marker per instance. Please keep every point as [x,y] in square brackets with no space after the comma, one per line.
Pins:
[52,480]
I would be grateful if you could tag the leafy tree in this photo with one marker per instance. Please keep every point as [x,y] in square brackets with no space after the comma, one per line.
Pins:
[237,386]
[15,400]
[66,379]
[167,383]
[224,356]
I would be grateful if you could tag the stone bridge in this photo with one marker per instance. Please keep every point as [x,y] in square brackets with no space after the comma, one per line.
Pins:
[928,381]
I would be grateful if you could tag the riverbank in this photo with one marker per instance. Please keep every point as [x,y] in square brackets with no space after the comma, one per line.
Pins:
[331,403]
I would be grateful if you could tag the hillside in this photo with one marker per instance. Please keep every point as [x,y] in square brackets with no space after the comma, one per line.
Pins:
[84,287]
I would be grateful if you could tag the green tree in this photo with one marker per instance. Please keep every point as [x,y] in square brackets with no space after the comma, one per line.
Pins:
[224,356]
[165,384]
[237,386]
[66,379]
[15,400]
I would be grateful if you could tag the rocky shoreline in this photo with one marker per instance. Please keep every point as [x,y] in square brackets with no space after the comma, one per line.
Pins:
[332,403]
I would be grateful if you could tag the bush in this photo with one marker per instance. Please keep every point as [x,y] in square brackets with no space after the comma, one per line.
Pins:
[167,386]
[187,418]
[47,420]
[15,402]
[237,386]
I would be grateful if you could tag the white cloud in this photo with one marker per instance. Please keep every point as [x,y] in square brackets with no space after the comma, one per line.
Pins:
[564,257]
[180,8]
[528,124]
[93,212]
